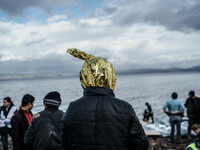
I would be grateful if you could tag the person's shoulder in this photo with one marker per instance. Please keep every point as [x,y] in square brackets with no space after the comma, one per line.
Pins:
[197,98]
[41,113]
[122,102]
[35,116]
[76,102]
[188,99]
[1,108]
[14,108]
[124,105]
[60,111]
[179,101]
[17,115]
[169,101]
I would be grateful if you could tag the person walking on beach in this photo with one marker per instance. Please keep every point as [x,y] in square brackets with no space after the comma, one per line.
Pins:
[148,113]
[44,132]
[20,122]
[6,112]
[98,120]
[175,112]
[196,144]
[193,107]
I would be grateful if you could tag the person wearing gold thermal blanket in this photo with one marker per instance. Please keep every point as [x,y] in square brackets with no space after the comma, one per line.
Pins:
[98,120]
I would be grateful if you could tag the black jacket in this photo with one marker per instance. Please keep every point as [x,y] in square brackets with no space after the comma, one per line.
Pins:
[19,125]
[193,107]
[44,131]
[99,121]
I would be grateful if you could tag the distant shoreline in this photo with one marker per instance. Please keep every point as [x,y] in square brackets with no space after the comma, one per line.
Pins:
[7,77]
[25,76]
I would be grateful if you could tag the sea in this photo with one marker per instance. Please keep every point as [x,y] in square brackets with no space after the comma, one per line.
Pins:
[137,89]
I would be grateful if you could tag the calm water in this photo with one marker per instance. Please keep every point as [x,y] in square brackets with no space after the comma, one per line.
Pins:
[135,89]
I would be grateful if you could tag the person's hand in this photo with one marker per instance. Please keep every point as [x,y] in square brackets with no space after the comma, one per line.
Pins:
[168,113]
[6,122]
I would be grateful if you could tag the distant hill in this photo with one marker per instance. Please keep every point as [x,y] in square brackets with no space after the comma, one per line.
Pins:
[153,70]
[24,76]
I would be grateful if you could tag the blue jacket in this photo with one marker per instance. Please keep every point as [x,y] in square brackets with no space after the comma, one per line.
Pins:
[174,106]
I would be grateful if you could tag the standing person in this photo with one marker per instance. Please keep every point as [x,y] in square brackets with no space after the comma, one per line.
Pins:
[175,112]
[20,122]
[6,112]
[44,132]
[148,113]
[98,120]
[196,144]
[191,105]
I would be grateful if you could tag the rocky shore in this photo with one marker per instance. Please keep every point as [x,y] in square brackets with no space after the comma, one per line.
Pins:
[156,143]
[162,143]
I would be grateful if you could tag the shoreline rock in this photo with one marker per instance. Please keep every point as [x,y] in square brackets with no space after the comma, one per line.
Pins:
[156,143]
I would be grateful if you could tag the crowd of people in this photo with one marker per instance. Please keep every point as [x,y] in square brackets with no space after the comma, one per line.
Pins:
[97,120]
[176,112]
[174,108]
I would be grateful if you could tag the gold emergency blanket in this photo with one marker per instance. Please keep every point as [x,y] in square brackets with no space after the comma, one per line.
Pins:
[96,71]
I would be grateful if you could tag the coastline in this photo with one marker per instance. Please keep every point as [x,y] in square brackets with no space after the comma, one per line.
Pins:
[156,143]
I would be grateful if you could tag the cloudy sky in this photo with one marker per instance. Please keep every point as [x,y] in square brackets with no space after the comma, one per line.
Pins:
[132,34]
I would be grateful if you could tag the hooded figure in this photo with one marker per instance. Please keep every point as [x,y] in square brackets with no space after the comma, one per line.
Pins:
[98,120]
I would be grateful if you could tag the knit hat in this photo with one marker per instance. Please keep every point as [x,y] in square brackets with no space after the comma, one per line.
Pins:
[52,98]
[96,71]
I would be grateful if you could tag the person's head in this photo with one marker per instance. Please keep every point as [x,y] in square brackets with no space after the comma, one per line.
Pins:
[174,95]
[196,129]
[7,102]
[52,99]
[191,94]
[96,71]
[27,101]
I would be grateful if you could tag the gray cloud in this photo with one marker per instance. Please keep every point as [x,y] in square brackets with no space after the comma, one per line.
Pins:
[49,63]
[16,8]
[67,63]
[179,15]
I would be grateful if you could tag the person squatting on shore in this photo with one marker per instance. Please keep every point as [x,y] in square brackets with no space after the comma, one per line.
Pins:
[148,113]
[196,144]
[20,122]
[193,111]
[98,120]
[44,132]
[6,112]
[175,113]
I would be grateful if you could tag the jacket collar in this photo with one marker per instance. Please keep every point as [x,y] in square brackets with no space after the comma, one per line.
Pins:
[98,91]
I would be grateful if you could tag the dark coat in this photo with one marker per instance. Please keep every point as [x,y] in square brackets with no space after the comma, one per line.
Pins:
[193,107]
[19,125]
[44,131]
[99,121]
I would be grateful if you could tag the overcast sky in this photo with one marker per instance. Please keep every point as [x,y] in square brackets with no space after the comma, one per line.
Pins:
[132,34]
